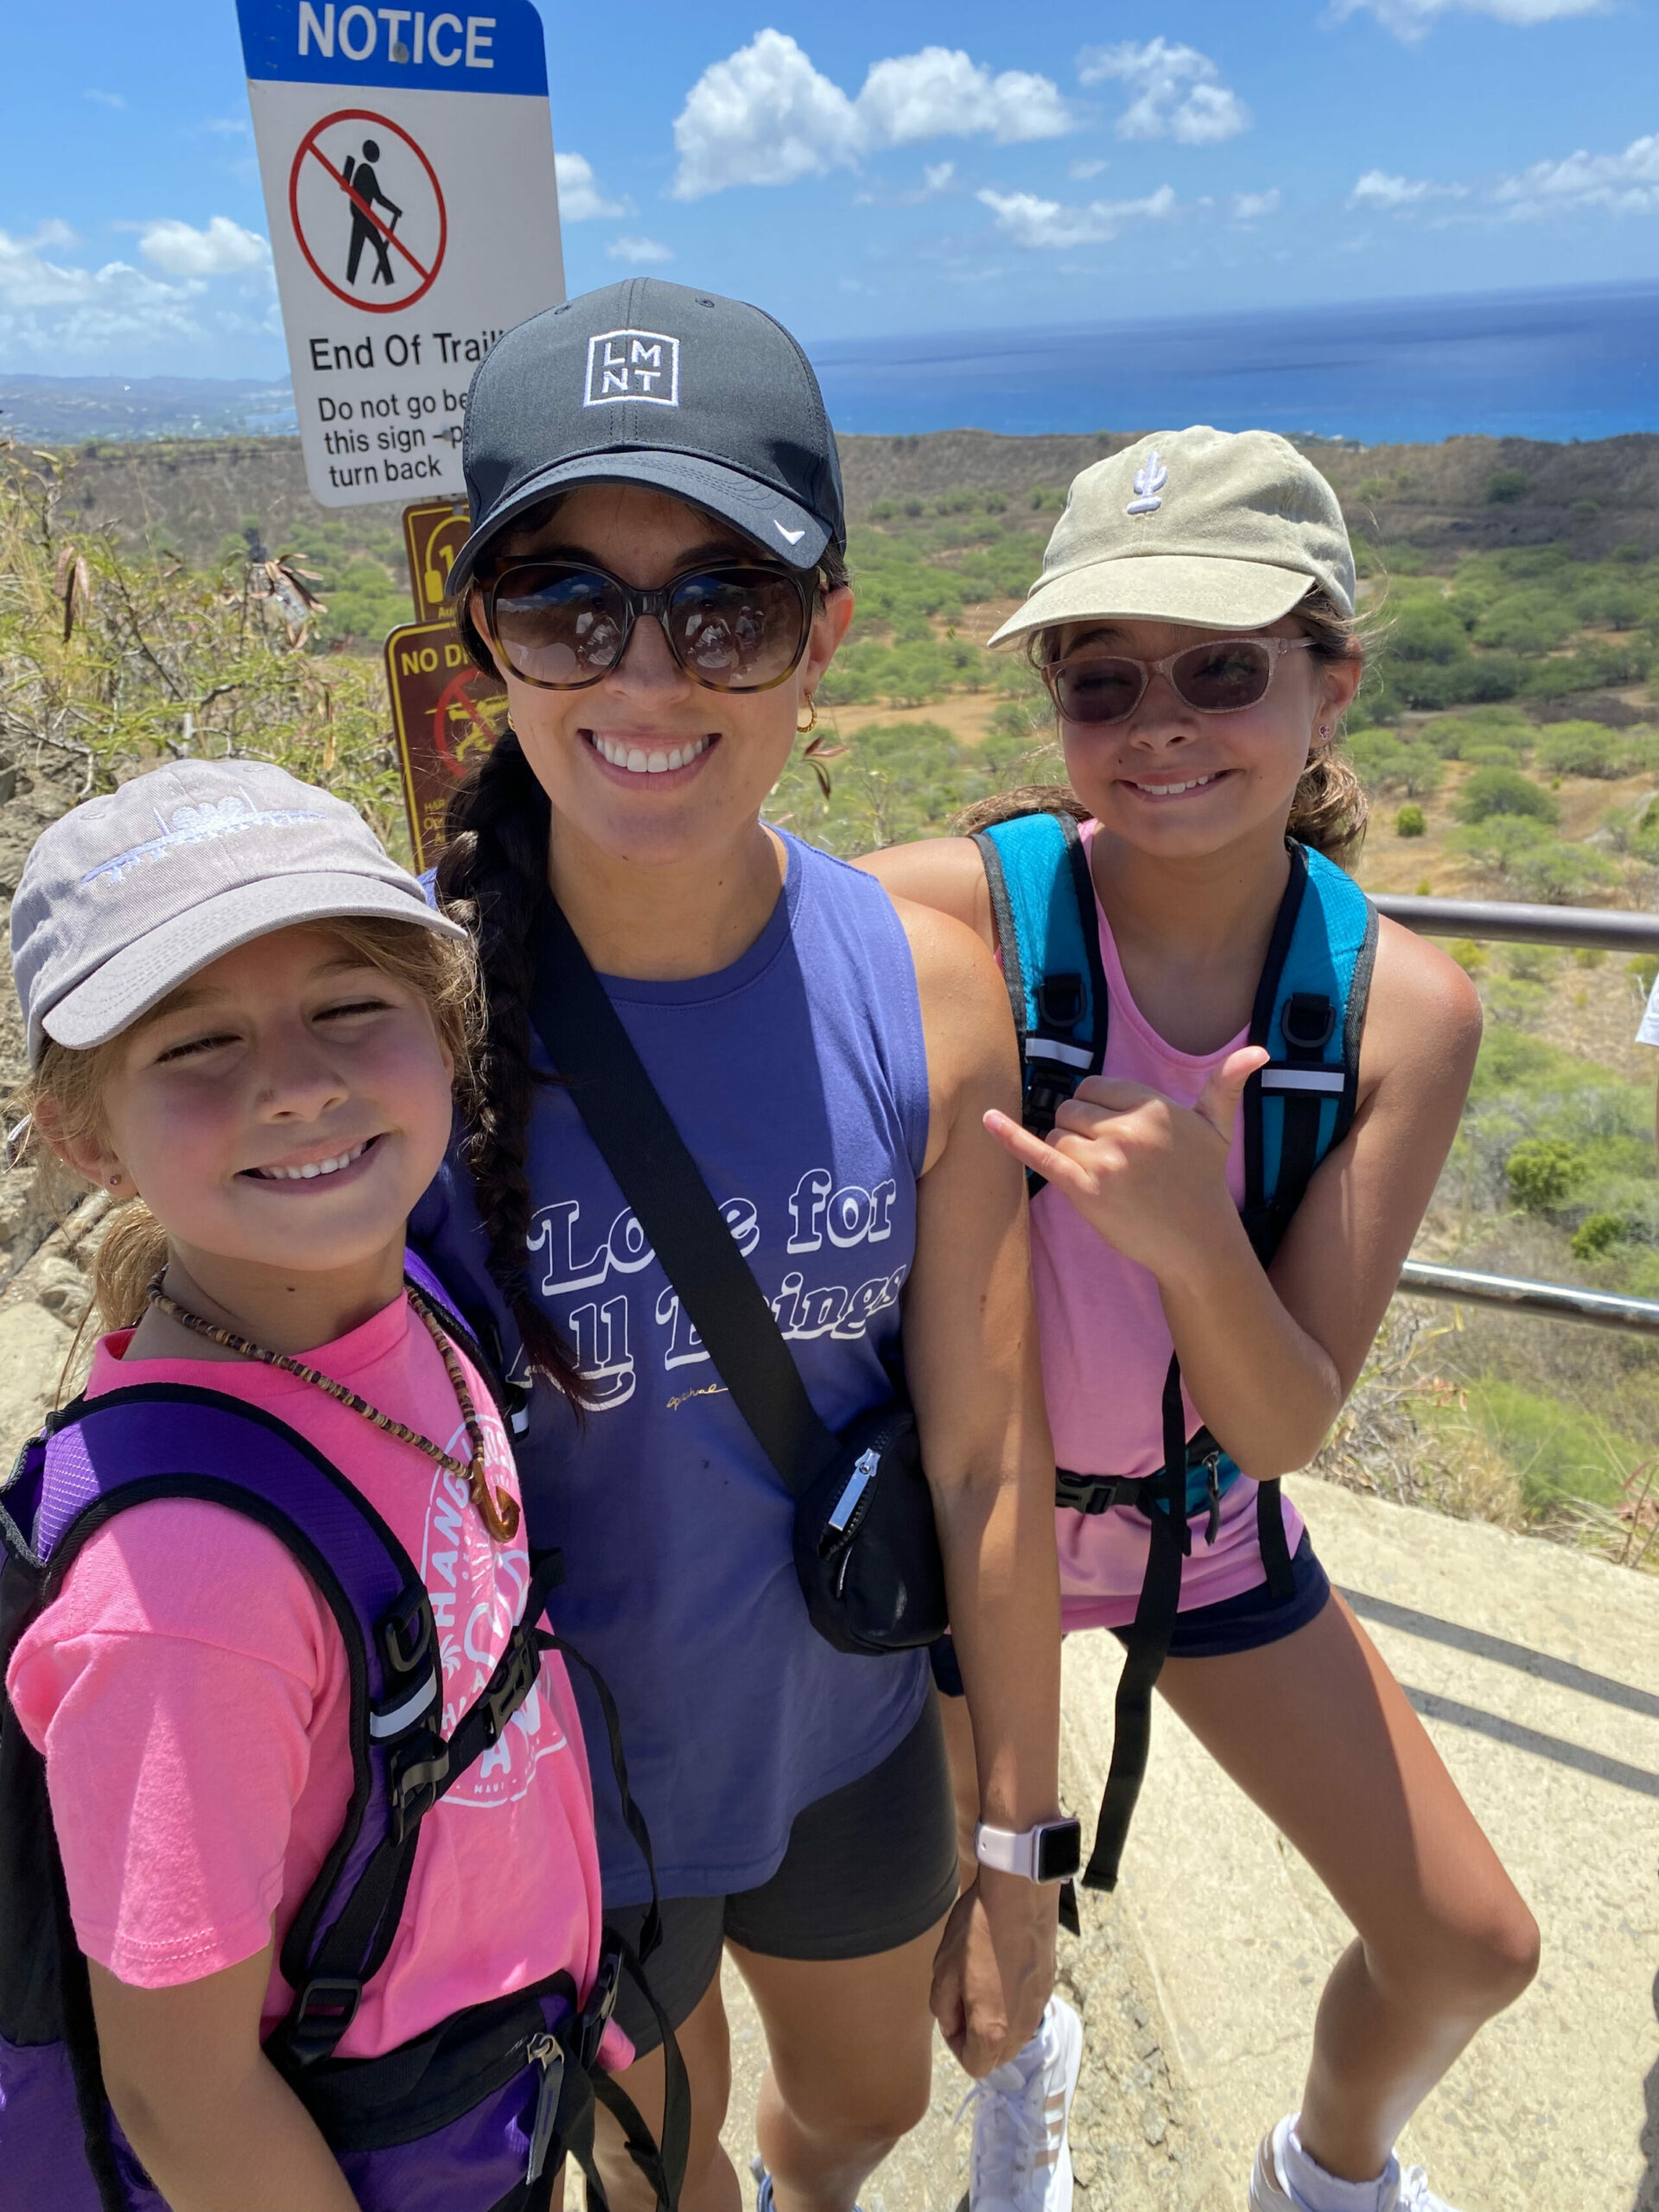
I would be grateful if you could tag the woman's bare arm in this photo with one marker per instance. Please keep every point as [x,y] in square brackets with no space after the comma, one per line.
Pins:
[944,872]
[970,1357]
[214,2123]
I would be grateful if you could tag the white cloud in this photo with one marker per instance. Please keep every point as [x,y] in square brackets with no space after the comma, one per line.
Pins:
[104,99]
[1080,172]
[626,249]
[1251,207]
[224,249]
[1177,92]
[1625,184]
[1412,20]
[939,92]
[765,115]
[936,175]
[1384,194]
[580,200]
[1040,224]
[57,312]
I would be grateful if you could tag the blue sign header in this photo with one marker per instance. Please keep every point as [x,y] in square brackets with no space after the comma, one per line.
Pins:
[480,46]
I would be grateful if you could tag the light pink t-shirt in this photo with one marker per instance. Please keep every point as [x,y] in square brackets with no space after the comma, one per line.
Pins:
[188,1689]
[1106,1348]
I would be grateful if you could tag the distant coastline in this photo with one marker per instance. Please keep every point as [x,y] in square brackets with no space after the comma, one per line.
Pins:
[1556,366]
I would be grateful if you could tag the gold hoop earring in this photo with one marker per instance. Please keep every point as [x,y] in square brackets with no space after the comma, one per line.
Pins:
[806,728]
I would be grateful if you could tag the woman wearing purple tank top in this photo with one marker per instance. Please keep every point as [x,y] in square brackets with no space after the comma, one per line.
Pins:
[657,571]
[1195,625]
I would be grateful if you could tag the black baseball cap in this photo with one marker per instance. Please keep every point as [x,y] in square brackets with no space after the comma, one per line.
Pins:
[644,382]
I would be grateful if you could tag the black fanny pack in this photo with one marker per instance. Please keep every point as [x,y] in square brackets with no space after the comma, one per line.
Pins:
[867,1550]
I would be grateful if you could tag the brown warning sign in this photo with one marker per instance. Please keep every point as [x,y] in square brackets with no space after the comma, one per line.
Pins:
[433,532]
[445,712]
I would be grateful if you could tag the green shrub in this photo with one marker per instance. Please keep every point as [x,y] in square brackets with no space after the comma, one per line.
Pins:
[1543,1171]
[1503,791]
[1558,1452]
[1505,486]
[1644,966]
[1579,748]
[1469,955]
[1526,622]
[1410,822]
[1598,1233]
[1560,875]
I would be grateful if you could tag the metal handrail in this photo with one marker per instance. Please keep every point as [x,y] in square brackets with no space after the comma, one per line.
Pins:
[1596,927]
[1511,924]
[1553,1301]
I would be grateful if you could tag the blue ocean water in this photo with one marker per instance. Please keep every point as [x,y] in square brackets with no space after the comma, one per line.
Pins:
[1559,365]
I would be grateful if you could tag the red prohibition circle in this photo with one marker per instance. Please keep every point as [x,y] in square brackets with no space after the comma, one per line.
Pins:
[308,146]
[458,693]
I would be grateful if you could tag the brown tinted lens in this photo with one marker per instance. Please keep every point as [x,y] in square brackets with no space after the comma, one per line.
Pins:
[559,627]
[1221,678]
[1097,689]
[738,629]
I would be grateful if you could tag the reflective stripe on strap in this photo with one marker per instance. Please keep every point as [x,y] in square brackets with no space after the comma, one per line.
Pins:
[1329,1080]
[382,1725]
[1050,1048]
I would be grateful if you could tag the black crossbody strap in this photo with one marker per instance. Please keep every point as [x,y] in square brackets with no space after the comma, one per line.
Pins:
[635,1135]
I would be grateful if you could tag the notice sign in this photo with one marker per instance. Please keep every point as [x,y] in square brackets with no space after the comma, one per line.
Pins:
[407,159]
[446,712]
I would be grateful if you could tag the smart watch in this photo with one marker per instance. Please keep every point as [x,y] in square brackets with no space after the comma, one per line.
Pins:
[1051,1852]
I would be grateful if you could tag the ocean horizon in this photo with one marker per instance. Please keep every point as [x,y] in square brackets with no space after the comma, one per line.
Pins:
[1559,364]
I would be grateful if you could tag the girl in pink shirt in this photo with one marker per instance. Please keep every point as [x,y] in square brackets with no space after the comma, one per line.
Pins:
[1194,624]
[247,1028]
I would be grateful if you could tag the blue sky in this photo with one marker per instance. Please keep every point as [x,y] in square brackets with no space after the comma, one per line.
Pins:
[865,170]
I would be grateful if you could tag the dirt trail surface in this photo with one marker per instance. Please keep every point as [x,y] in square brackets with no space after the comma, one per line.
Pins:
[1537,1673]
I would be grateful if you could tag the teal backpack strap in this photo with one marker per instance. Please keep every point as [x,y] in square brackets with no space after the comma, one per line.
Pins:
[1043,900]
[1310,1013]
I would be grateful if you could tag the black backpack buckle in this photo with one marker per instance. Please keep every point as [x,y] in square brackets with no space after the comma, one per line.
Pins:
[416,1782]
[1059,1001]
[512,1681]
[1307,1022]
[323,2011]
[406,1631]
[596,2012]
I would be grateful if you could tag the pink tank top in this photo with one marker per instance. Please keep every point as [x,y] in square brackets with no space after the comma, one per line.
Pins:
[1106,1348]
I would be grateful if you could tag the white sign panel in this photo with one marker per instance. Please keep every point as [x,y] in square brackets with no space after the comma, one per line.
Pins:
[407,158]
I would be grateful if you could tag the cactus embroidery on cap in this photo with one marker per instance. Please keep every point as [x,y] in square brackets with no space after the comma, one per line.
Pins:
[1150,480]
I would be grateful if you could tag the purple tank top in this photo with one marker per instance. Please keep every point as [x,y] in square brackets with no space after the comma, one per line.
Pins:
[798,1079]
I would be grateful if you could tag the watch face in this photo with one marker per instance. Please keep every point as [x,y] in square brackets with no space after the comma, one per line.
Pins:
[1060,1852]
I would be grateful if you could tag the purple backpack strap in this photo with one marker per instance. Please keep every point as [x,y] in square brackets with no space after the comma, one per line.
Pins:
[171,1441]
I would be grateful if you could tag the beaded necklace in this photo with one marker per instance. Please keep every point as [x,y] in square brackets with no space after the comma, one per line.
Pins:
[499,1515]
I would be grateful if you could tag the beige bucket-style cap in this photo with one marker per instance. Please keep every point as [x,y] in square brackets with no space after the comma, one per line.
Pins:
[1225,529]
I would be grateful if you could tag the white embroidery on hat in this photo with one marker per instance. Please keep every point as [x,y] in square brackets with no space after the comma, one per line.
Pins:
[197,826]
[789,537]
[1150,480]
[632,364]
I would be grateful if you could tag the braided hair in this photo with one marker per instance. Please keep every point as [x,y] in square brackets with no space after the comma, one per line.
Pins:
[492,878]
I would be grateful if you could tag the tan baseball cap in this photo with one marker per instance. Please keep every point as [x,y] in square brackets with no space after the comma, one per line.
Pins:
[1223,529]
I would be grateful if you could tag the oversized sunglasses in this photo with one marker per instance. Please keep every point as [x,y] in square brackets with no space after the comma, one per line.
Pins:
[1221,676]
[731,627]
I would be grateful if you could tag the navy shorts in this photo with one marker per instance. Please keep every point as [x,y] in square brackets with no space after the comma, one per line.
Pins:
[867,1868]
[1240,1624]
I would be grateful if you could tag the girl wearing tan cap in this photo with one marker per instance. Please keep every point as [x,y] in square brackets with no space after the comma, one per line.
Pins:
[1229,1172]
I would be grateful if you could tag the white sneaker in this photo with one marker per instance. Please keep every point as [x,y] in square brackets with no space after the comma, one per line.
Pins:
[1270,2190]
[1020,2160]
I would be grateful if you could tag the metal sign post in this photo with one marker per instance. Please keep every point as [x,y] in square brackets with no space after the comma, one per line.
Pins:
[407,158]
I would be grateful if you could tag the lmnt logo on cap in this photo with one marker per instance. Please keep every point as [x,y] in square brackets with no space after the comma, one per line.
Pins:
[632,364]
[1150,480]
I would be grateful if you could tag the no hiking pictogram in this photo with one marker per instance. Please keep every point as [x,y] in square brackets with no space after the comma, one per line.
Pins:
[367,211]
